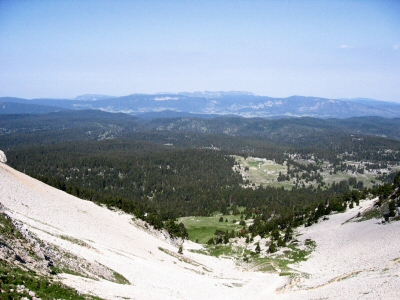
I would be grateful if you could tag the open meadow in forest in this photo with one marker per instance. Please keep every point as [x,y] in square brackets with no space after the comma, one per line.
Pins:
[201,229]
[261,171]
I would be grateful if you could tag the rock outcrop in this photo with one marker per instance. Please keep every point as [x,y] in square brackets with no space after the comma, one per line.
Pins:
[3,157]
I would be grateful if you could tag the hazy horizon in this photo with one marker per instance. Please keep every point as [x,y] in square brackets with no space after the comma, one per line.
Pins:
[177,93]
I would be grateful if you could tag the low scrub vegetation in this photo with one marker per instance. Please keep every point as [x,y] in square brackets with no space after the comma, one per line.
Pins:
[17,283]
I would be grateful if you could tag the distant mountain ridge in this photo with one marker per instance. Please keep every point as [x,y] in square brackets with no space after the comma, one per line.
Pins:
[7,108]
[93,97]
[243,104]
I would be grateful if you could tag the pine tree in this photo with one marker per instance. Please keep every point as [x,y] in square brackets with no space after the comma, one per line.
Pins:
[288,234]
[272,247]
[258,249]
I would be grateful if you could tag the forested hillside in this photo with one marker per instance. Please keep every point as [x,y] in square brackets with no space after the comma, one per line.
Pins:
[163,169]
[136,176]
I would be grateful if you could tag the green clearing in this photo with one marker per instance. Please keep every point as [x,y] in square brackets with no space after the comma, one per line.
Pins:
[260,171]
[203,228]
[226,251]
[280,262]
[271,263]
[369,180]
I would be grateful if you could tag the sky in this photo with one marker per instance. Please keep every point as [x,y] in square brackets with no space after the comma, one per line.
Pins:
[329,49]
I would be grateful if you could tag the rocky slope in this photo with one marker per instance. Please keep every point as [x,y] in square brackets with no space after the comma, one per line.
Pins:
[109,254]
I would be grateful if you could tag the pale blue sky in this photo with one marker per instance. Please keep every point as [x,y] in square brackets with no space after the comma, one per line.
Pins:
[331,49]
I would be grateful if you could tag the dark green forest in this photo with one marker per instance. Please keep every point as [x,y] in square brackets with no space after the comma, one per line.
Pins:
[163,169]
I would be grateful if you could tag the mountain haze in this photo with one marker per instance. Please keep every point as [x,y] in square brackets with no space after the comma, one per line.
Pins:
[225,103]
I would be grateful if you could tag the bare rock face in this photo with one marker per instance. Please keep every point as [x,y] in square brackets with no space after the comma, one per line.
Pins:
[3,157]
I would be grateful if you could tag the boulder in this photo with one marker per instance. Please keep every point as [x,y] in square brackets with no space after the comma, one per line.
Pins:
[3,157]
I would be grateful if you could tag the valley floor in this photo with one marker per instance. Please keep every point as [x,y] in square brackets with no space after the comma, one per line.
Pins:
[352,260]
[358,260]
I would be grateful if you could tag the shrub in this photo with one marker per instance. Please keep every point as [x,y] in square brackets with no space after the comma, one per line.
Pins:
[258,249]
[272,247]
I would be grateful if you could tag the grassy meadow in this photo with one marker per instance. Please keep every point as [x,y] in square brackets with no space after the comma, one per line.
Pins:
[201,229]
